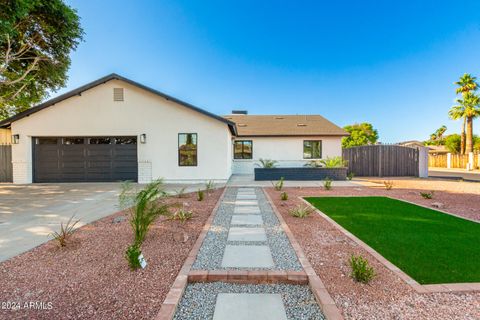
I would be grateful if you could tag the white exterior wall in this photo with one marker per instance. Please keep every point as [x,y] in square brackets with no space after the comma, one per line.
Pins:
[94,113]
[287,151]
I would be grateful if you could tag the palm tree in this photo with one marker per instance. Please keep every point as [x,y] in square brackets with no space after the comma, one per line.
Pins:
[466,84]
[467,108]
[440,131]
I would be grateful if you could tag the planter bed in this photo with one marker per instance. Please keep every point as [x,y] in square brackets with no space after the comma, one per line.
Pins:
[387,296]
[300,173]
[90,278]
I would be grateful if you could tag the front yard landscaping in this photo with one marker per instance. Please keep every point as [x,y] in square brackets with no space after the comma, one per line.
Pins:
[386,296]
[430,246]
[90,277]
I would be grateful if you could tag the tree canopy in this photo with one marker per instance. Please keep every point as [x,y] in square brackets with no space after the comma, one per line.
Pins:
[360,134]
[36,38]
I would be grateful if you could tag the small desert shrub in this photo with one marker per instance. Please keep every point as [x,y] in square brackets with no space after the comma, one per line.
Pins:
[65,232]
[200,195]
[279,184]
[267,163]
[327,183]
[180,193]
[284,196]
[427,195]
[388,184]
[209,186]
[145,207]
[350,176]
[361,269]
[300,211]
[182,215]
[132,254]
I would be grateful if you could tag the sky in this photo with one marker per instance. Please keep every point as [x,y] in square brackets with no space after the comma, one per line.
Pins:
[390,63]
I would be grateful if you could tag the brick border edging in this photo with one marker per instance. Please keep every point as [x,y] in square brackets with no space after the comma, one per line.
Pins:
[169,305]
[327,304]
[429,288]
[249,276]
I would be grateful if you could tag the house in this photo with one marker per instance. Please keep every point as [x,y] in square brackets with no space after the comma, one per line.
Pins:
[116,129]
[412,144]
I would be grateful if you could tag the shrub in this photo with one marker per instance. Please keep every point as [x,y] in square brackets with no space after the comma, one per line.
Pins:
[327,183]
[144,206]
[182,215]
[361,269]
[350,176]
[427,195]
[200,195]
[66,231]
[388,184]
[284,196]
[132,254]
[279,184]
[180,193]
[267,163]
[334,162]
[209,186]
[300,211]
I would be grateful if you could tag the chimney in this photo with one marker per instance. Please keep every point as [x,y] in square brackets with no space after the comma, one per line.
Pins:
[239,112]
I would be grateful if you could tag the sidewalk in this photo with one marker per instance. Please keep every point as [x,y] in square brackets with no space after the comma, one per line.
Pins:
[454,173]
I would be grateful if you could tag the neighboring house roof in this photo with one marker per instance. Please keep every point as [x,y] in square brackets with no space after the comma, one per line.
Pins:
[284,125]
[6,123]
[410,143]
[438,149]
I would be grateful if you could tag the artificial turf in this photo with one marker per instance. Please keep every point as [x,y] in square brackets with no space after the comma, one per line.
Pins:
[430,246]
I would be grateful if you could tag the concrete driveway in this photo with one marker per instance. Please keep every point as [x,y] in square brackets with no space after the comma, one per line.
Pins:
[30,213]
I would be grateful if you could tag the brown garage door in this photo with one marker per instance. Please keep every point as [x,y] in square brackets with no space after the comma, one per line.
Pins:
[84,159]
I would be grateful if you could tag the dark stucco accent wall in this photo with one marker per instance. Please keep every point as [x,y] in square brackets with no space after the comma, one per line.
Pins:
[300,173]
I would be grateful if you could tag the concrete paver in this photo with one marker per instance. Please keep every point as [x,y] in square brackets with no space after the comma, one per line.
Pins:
[246,234]
[247,257]
[247,306]
[246,219]
[247,210]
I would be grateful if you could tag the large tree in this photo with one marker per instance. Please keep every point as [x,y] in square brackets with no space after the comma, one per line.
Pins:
[360,134]
[469,108]
[465,85]
[36,38]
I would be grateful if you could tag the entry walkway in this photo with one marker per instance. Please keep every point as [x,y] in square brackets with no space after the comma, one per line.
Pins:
[247,237]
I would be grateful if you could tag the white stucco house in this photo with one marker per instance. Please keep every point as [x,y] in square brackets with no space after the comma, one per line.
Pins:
[116,129]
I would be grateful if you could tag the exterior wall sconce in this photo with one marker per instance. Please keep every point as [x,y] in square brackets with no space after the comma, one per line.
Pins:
[143,138]
[15,139]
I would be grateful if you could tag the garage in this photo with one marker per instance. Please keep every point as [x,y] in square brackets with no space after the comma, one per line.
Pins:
[85,159]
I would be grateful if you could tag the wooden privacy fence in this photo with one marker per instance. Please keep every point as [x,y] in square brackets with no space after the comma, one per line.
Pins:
[456,160]
[382,161]
[6,174]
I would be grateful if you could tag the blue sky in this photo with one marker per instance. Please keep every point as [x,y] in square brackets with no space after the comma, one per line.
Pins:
[391,63]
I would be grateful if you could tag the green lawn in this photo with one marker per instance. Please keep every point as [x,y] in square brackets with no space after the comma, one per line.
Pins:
[430,246]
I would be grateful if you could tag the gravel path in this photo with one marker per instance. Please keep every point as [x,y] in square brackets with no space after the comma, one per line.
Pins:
[211,253]
[198,301]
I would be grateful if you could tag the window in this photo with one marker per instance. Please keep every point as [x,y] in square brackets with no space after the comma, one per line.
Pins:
[47,140]
[126,140]
[73,140]
[243,149]
[99,140]
[312,149]
[187,149]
